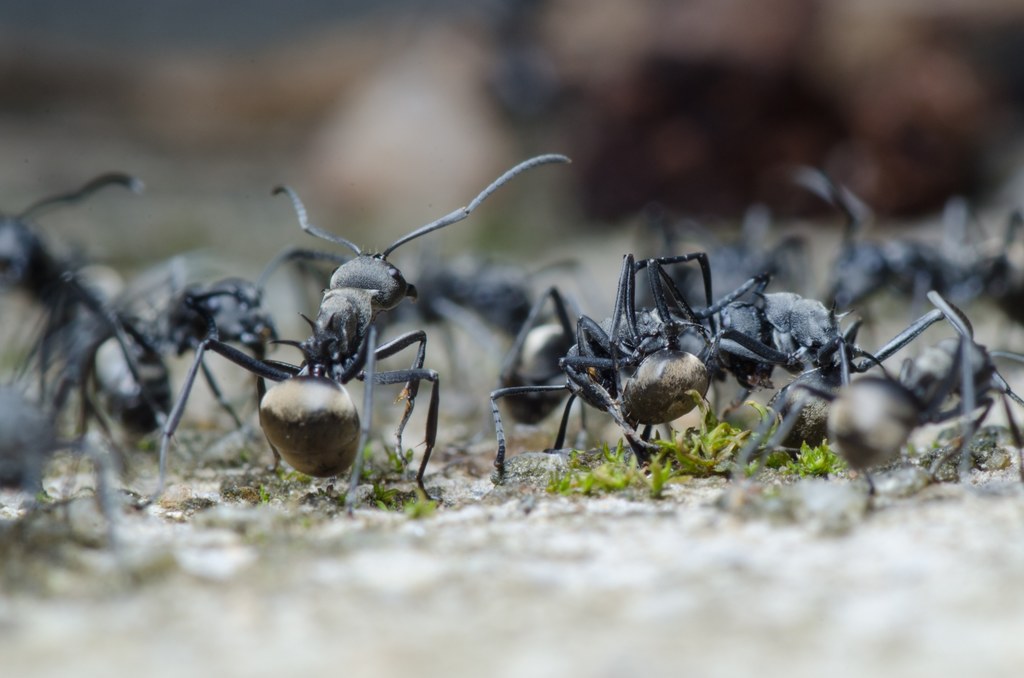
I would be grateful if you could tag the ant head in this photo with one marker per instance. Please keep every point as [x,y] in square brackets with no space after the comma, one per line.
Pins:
[386,283]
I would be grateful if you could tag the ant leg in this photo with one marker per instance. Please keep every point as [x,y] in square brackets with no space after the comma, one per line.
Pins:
[412,388]
[369,345]
[702,260]
[759,438]
[515,352]
[499,459]
[430,436]
[969,425]
[759,349]
[758,284]
[215,389]
[104,492]
[624,309]
[564,422]
[957,318]
[591,391]
[173,418]
[1018,441]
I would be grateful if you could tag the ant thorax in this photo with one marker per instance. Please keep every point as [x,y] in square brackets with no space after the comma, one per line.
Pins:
[799,323]
[341,324]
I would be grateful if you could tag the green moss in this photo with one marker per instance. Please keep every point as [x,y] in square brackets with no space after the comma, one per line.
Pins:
[613,471]
[819,462]
[420,507]
[293,476]
[709,449]
[386,498]
[397,463]
[706,450]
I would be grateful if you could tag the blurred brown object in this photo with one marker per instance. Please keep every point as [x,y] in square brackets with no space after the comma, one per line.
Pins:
[700,105]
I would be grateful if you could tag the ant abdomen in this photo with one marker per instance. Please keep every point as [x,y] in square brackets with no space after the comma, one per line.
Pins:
[313,424]
[871,420]
[659,390]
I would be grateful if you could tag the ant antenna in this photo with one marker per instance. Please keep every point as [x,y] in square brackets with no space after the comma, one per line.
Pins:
[954,315]
[295,254]
[463,212]
[300,210]
[131,183]
[840,197]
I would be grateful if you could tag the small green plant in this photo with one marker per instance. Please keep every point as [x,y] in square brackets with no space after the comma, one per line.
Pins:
[816,462]
[420,507]
[710,448]
[399,462]
[366,473]
[293,476]
[264,494]
[659,474]
[385,498]
[616,471]
[706,450]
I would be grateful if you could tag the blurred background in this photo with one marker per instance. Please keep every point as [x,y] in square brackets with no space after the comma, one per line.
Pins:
[384,115]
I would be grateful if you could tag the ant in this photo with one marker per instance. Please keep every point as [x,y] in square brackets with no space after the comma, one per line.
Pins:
[871,419]
[639,366]
[115,360]
[862,268]
[229,310]
[56,283]
[307,415]
[776,329]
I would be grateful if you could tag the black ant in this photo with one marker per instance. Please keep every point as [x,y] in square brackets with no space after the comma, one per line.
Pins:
[910,268]
[783,329]
[776,329]
[871,419]
[639,366]
[229,311]
[115,359]
[54,282]
[308,417]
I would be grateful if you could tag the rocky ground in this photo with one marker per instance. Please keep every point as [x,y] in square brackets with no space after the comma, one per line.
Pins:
[242,571]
